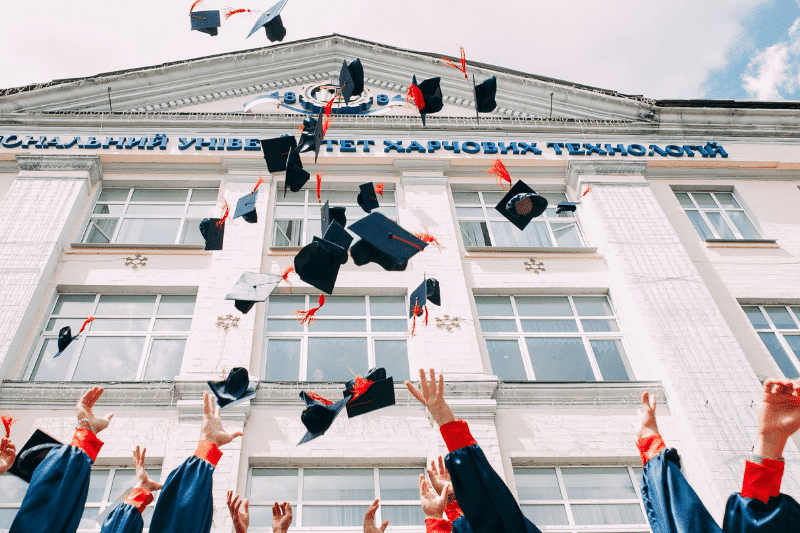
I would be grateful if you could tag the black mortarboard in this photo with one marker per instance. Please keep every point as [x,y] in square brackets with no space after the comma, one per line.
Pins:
[363,252]
[387,238]
[331,214]
[311,137]
[484,95]
[417,300]
[431,95]
[318,417]
[246,207]
[521,205]
[272,23]
[296,177]
[235,389]
[351,79]
[367,198]
[318,264]
[339,236]
[276,152]
[432,291]
[65,338]
[252,287]
[205,21]
[567,206]
[212,232]
[379,394]
[32,453]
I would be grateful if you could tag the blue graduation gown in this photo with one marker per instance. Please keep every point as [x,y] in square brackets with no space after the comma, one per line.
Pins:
[125,518]
[781,514]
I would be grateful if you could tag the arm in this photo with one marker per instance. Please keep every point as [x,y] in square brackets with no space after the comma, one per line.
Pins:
[127,516]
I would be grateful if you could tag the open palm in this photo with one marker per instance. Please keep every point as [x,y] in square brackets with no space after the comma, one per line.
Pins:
[780,408]
[85,412]
[8,452]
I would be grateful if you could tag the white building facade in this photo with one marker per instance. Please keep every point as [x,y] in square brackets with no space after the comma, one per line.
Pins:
[678,274]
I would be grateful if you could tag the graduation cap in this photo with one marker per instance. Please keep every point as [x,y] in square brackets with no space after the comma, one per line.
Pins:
[367,198]
[370,393]
[431,93]
[276,152]
[32,454]
[213,231]
[235,389]
[351,79]
[384,242]
[319,414]
[339,236]
[311,137]
[432,291]
[252,287]
[521,204]
[567,206]
[417,300]
[331,214]
[296,177]
[484,95]
[65,336]
[205,21]
[318,264]
[272,23]
[246,207]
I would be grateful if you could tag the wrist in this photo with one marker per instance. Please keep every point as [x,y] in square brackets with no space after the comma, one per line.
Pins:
[769,446]
[85,423]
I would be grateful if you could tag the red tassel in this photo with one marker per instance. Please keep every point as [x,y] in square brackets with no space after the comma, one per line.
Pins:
[316,397]
[8,422]
[326,123]
[589,188]
[360,387]
[307,317]
[286,273]
[259,182]
[194,5]
[319,187]
[463,67]
[426,315]
[229,14]
[414,97]
[427,237]
[225,211]
[500,172]
[90,319]
[413,325]
[379,188]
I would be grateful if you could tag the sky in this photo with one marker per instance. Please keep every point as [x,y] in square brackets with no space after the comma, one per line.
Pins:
[680,49]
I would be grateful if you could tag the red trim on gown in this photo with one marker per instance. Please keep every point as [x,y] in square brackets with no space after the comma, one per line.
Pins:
[208,451]
[438,525]
[650,447]
[139,498]
[87,441]
[456,435]
[761,481]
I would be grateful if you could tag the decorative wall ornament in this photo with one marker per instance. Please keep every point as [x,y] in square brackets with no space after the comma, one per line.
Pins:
[136,261]
[447,322]
[228,321]
[533,264]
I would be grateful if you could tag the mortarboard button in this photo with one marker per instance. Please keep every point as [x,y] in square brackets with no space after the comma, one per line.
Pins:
[252,287]
[272,23]
[417,300]
[276,152]
[318,264]
[296,177]
[212,232]
[234,390]
[379,394]
[32,454]
[318,416]
[484,95]
[367,198]
[521,205]
[246,207]
[432,291]
[566,206]
[205,21]
[387,238]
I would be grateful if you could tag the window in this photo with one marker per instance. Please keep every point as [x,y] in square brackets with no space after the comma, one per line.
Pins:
[586,499]
[360,331]
[336,497]
[150,216]
[105,486]
[297,217]
[717,215]
[482,225]
[133,337]
[779,329]
[552,338]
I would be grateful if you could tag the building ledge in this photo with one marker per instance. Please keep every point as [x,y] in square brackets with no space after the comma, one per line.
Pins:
[492,251]
[284,250]
[599,394]
[741,243]
[115,246]
[65,394]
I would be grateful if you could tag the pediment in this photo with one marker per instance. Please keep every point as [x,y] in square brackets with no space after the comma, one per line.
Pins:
[282,79]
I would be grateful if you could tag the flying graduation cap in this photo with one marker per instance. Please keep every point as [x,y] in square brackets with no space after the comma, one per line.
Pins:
[384,242]
[485,95]
[566,206]
[272,23]
[213,229]
[370,393]
[296,177]
[334,232]
[204,21]
[32,454]
[367,198]
[318,262]
[65,337]
[330,214]
[417,302]
[351,80]
[319,414]
[234,389]
[427,96]
[246,206]
[521,204]
[312,135]
[251,288]
[276,152]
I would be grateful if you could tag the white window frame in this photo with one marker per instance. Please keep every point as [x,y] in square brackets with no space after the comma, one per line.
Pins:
[635,475]
[780,334]
[586,336]
[310,301]
[723,212]
[490,214]
[206,206]
[75,349]
[298,503]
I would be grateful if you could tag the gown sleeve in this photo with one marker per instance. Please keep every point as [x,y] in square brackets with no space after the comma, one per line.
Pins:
[57,493]
[760,506]
[672,505]
[185,504]
[488,505]
[127,516]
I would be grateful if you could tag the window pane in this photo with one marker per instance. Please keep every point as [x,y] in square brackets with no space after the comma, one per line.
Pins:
[398,484]
[466,198]
[288,232]
[12,488]
[118,324]
[559,359]
[113,195]
[546,515]
[611,360]
[343,306]
[387,306]
[780,317]
[50,368]
[699,224]
[469,212]
[101,230]
[567,234]
[176,304]
[334,325]
[155,209]
[494,306]
[507,234]
[166,356]
[273,484]
[794,343]
[98,480]
[327,484]
[592,306]
[262,514]
[328,358]
[205,195]
[200,211]
[148,231]
[475,233]
[159,195]
[109,359]
[108,209]
[123,480]
[598,483]
[55,324]
[74,305]
[608,514]
[283,360]
[600,326]
[743,224]
[537,484]
[123,305]
[285,305]
[535,326]
[173,324]
[492,198]
[543,306]
[333,516]
[506,360]
[756,317]
[726,199]
[683,198]
[496,326]
[704,200]
[389,325]
[723,230]
[284,325]
[779,355]
[191,232]
[403,515]
[393,356]
[796,311]
[7,516]
[88,521]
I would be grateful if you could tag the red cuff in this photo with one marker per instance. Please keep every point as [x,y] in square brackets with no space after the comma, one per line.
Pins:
[456,435]
[438,525]
[762,480]
[650,447]
[87,441]
[208,451]
[139,498]
[453,511]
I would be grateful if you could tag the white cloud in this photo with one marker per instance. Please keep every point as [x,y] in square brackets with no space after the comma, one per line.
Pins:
[774,73]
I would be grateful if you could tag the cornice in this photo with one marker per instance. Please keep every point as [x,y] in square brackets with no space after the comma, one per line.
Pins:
[64,395]
[88,163]
[601,394]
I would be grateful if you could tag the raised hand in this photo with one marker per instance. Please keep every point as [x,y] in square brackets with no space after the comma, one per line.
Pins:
[212,429]
[143,480]
[432,396]
[241,517]
[8,452]
[432,504]
[281,517]
[369,520]
[84,411]
[439,476]
[778,417]
[647,416]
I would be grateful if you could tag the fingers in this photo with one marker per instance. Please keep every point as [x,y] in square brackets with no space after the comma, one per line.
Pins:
[236,434]
[287,509]
[247,506]
[207,409]
[442,469]
[217,412]
[769,384]
[383,526]
[276,509]
[108,417]
[369,516]
[432,384]
[417,394]
[230,495]
[447,490]
[423,383]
